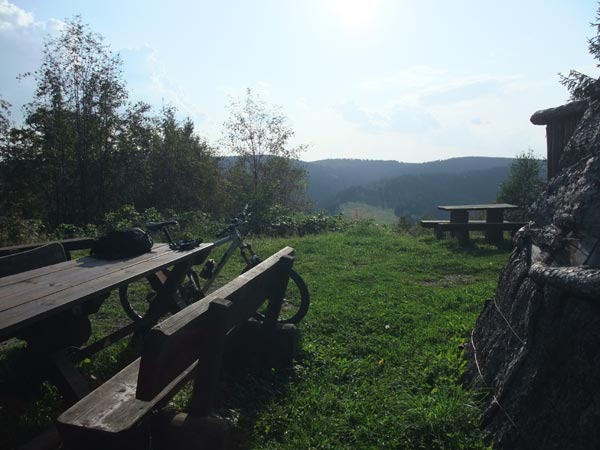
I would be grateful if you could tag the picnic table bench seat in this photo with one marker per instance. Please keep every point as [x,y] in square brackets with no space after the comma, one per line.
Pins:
[188,344]
[433,223]
[472,225]
[442,226]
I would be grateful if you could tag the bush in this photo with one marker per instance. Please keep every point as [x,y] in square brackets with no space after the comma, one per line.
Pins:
[15,229]
[409,226]
[283,222]
[523,185]
[197,225]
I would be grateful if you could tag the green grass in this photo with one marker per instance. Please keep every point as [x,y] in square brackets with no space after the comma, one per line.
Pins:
[380,362]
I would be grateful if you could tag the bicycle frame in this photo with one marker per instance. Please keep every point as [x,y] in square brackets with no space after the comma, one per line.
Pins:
[234,236]
[192,289]
[237,241]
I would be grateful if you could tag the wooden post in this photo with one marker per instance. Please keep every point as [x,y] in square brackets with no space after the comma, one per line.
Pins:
[71,383]
[439,233]
[210,359]
[167,298]
[495,235]
[278,292]
[460,216]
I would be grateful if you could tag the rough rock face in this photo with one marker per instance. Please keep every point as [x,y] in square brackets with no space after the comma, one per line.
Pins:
[536,344]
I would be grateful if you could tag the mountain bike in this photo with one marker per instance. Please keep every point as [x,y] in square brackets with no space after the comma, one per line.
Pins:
[296,300]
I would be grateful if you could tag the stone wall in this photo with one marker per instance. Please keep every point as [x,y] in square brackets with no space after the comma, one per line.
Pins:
[536,345]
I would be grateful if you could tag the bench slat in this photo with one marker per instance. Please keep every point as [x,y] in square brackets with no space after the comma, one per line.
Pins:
[481,226]
[113,408]
[471,224]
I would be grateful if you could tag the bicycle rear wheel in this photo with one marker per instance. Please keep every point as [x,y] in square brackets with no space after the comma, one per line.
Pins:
[295,301]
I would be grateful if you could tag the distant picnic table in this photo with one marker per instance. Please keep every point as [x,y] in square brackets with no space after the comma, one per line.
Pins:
[460,224]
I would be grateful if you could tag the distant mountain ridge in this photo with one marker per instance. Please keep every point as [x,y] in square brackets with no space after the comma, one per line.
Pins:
[412,189]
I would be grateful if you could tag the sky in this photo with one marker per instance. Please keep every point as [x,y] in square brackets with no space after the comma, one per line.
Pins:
[405,80]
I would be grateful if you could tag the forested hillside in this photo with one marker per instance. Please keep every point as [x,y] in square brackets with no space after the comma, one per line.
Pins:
[413,187]
[416,196]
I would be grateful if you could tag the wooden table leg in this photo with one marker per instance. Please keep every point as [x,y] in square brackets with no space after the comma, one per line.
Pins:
[167,298]
[70,382]
[460,216]
[494,236]
[166,283]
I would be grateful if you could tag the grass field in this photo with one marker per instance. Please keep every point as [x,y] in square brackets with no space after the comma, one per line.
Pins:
[381,358]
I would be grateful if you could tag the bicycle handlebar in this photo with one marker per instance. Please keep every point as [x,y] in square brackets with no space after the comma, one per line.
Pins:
[156,226]
[241,219]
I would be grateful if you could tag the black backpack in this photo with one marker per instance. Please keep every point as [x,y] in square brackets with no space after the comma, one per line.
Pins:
[122,244]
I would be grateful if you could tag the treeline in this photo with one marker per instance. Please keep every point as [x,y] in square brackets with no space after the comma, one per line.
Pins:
[84,149]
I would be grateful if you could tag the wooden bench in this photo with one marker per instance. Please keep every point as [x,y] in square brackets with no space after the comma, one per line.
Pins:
[188,344]
[442,226]
[44,255]
[69,245]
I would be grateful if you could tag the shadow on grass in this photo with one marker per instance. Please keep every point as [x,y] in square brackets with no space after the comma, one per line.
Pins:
[252,382]
[29,403]
[248,393]
[478,247]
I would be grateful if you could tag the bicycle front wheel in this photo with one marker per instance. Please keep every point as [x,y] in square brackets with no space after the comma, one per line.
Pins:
[295,301]
[137,297]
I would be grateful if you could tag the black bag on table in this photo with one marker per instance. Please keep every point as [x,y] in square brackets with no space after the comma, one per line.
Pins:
[122,244]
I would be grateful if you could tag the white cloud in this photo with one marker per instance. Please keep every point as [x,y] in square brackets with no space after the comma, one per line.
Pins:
[428,86]
[415,77]
[21,47]
[11,16]
[399,118]
[160,87]
[465,90]
[17,20]
[425,110]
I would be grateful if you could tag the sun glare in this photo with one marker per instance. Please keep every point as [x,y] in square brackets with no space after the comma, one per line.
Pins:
[357,16]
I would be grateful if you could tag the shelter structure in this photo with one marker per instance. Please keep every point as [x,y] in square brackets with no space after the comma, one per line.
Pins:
[560,125]
[535,347]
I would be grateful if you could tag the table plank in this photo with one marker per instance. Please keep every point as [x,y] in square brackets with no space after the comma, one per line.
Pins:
[72,273]
[477,207]
[53,278]
[26,299]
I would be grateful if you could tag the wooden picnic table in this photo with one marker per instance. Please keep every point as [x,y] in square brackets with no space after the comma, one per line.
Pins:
[460,223]
[36,296]
[494,212]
